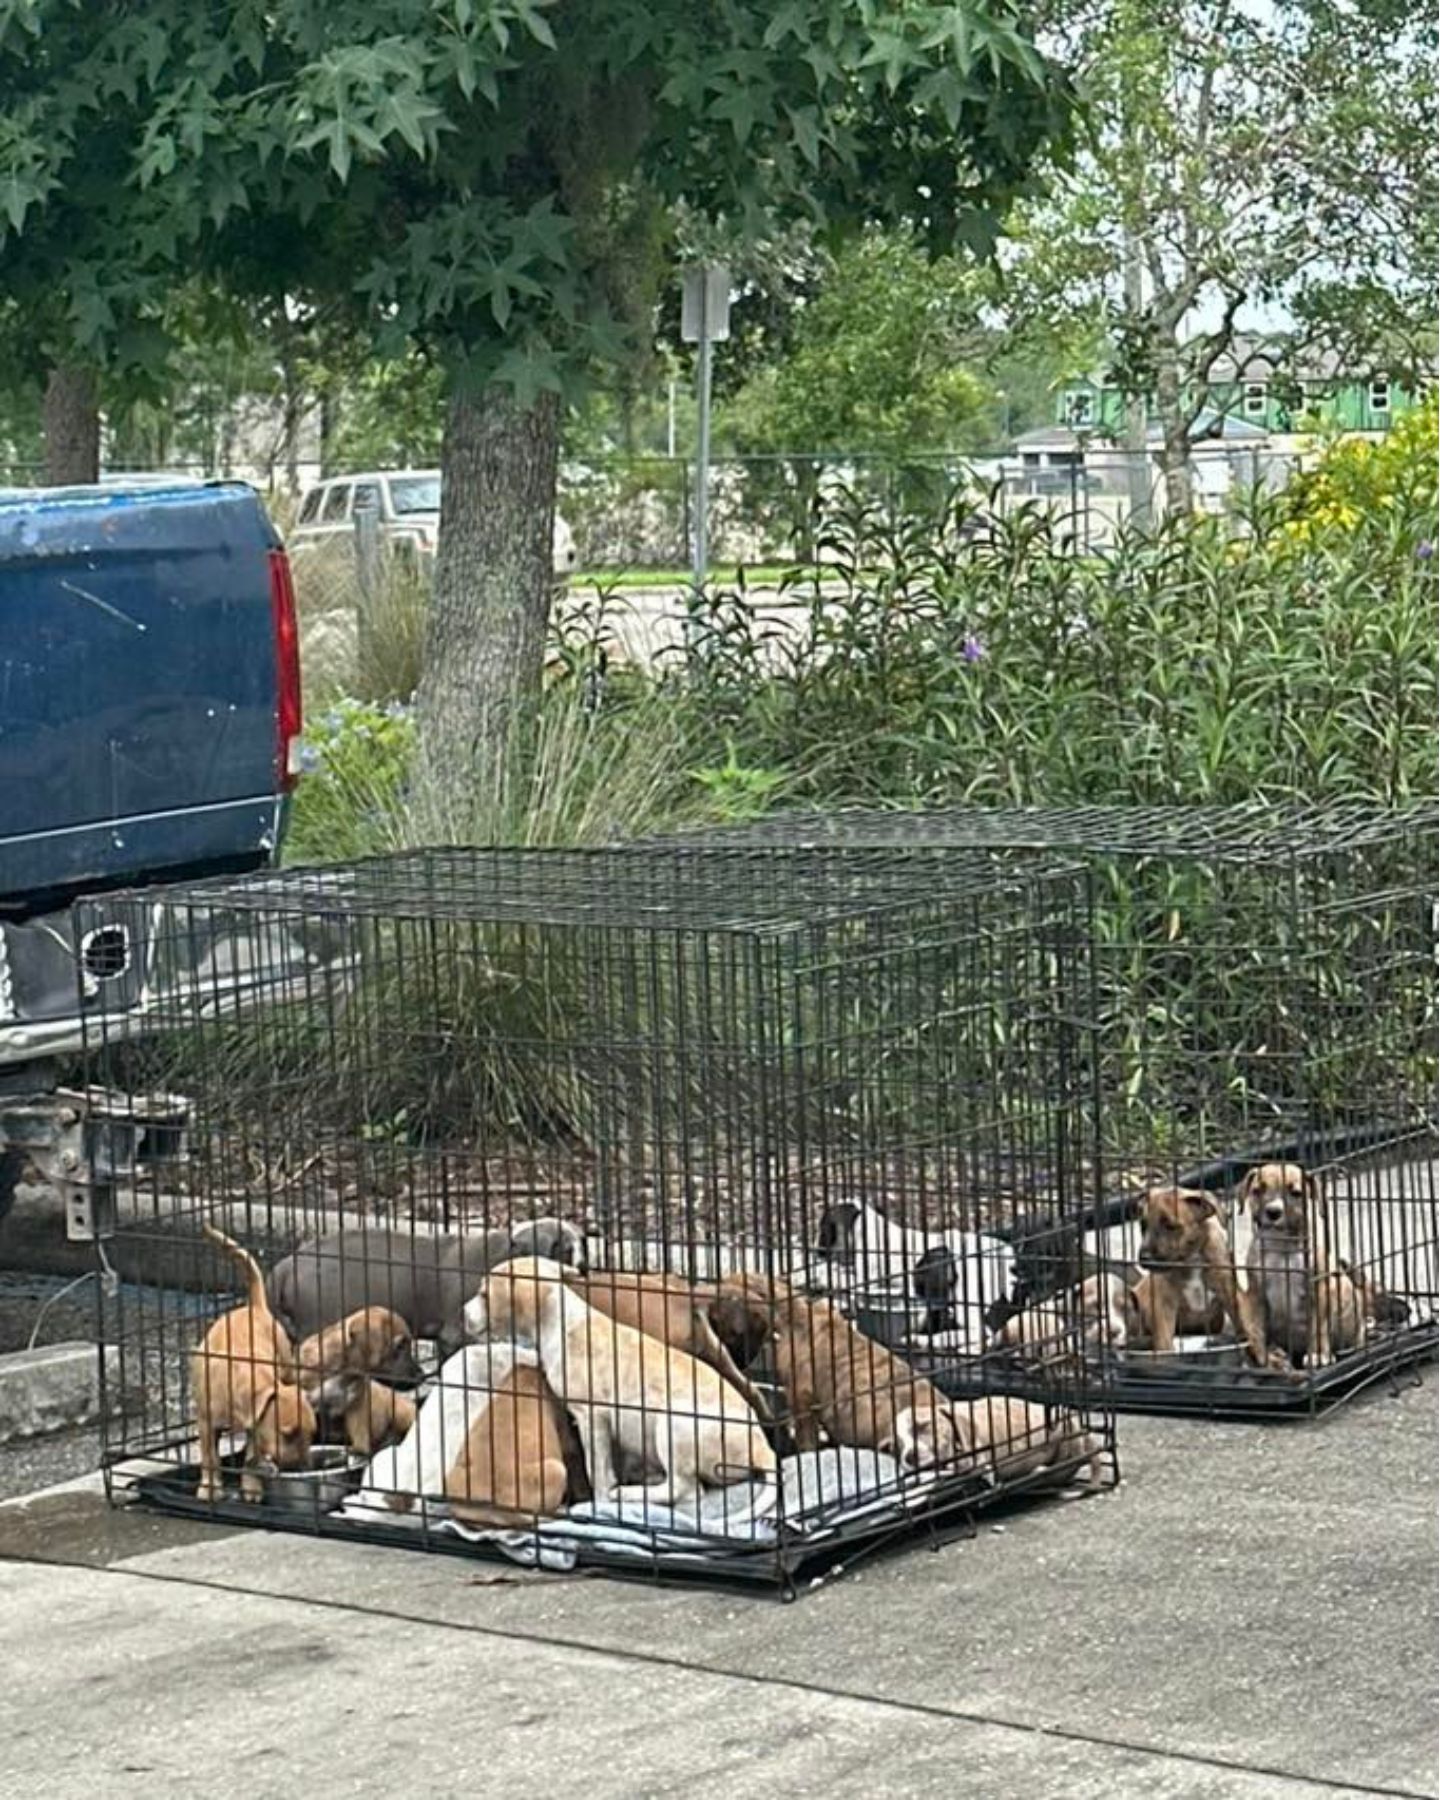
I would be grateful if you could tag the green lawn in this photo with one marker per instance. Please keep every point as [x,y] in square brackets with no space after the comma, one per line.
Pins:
[721,575]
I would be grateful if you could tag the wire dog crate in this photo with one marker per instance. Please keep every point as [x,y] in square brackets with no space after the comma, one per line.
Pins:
[1267,1016]
[535,1153]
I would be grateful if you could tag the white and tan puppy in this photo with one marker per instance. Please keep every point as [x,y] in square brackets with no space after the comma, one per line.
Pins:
[634,1399]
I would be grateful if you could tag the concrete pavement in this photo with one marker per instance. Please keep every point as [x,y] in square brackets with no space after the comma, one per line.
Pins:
[1253,1613]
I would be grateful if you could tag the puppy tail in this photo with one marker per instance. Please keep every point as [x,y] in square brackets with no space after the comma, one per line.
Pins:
[254,1275]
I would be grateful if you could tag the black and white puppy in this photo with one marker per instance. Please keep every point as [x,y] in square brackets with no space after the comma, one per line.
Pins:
[958,1276]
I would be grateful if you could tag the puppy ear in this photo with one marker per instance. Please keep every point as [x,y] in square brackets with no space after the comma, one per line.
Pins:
[268,1406]
[1248,1188]
[1204,1206]
[837,1229]
[1310,1187]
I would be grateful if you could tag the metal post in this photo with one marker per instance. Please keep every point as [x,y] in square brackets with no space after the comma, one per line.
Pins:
[702,465]
[704,320]
[1137,458]
[366,514]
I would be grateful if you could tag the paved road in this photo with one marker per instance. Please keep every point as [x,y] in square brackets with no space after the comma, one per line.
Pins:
[1251,1614]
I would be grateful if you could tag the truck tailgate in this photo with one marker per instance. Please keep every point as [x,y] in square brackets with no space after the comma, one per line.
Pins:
[137,683]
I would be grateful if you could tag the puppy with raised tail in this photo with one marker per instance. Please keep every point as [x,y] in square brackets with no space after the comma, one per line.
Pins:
[243,1377]
[634,1399]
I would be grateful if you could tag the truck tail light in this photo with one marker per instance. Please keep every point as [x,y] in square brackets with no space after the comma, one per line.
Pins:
[288,716]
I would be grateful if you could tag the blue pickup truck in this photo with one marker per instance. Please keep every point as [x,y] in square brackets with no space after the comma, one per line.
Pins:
[149,726]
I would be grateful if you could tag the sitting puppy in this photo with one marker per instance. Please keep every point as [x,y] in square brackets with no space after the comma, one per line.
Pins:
[336,1367]
[1304,1304]
[521,1459]
[243,1378]
[836,1378]
[634,1399]
[427,1280]
[1189,1282]
[672,1309]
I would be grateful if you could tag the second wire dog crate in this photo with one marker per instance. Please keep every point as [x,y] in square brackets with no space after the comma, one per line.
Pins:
[1266,993]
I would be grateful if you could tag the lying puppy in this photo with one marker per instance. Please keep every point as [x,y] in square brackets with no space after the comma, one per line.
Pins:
[1304,1303]
[672,1309]
[1189,1282]
[835,1377]
[1016,1437]
[959,1276]
[432,1458]
[1093,1316]
[519,1458]
[243,1377]
[426,1280]
[631,1396]
[336,1367]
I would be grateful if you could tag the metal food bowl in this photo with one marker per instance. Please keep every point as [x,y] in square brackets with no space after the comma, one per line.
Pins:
[1191,1356]
[888,1315]
[334,1473]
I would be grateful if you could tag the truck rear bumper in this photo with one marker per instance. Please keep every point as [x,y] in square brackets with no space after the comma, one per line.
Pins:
[76,856]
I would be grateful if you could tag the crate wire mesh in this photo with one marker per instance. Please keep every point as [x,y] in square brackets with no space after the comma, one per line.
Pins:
[1266,993]
[662,1076]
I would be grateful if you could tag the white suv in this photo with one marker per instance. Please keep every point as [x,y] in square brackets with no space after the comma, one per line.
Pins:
[408,503]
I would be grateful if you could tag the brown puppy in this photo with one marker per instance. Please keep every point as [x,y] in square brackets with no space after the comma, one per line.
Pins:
[1017,1437]
[1303,1302]
[835,1377]
[1189,1282]
[336,1367]
[243,1377]
[517,1463]
[672,1309]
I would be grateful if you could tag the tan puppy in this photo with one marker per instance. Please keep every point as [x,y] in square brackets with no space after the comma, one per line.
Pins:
[1189,1283]
[1018,1438]
[633,1398]
[1092,1315]
[836,1377]
[243,1378]
[1303,1302]
[336,1369]
[672,1309]
[517,1463]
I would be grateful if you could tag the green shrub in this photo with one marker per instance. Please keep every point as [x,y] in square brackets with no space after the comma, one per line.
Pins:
[994,664]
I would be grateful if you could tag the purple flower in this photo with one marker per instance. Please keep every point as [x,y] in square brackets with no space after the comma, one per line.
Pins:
[972,649]
[1425,549]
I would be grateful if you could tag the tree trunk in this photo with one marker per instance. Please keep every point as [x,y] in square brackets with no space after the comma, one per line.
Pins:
[494,576]
[1175,432]
[72,427]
